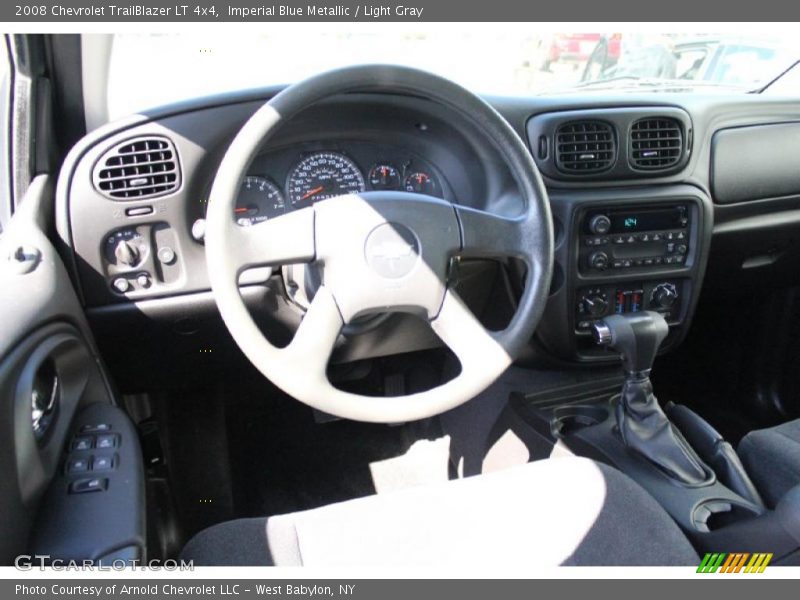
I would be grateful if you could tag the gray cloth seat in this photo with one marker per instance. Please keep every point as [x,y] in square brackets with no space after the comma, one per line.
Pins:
[559,511]
[772,459]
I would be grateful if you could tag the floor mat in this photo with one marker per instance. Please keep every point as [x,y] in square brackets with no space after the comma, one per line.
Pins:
[284,461]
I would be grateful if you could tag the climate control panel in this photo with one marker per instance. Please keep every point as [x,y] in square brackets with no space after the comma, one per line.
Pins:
[596,302]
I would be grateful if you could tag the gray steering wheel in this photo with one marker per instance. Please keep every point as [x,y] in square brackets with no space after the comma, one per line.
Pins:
[379,252]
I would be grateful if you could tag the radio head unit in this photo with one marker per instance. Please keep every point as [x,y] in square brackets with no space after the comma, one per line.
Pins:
[634,237]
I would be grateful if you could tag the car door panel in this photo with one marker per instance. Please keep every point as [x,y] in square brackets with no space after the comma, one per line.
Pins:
[49,373]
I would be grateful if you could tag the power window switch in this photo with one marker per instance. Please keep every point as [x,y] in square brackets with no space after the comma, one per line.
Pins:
[84,486]
[77,465]
[106,441]
[103,463]
[96,428]
[82,442]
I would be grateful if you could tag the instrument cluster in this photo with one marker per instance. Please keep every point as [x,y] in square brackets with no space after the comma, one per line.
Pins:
[323,174]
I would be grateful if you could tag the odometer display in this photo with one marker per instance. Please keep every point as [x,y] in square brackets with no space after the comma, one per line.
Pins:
[321,176]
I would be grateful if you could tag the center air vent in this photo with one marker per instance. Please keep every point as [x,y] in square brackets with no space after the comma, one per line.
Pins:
[585,147]
[656,143]
[140,168]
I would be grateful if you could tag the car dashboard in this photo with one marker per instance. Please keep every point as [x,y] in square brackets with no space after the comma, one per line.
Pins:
[653,198]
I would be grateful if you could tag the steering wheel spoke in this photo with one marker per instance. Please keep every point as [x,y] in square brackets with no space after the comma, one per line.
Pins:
[474,346]
[488,235]
[316,337]
[288,239]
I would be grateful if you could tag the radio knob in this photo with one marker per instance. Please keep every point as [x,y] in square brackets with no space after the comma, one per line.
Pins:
[595,305]
[664,295]
[600,224]
[598,260]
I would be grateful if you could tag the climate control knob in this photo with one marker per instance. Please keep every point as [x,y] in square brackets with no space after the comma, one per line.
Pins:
[126,253]
[600,224]
[599,261]
[594,305]
[664,295]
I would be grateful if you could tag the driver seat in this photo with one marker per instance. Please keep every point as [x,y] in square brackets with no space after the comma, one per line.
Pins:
[558,511]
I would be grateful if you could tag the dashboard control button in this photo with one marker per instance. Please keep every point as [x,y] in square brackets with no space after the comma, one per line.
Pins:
[83,486]
[199,230]
[77,465]
[618,239]
[600,224]
[664,295]
[143,280]
[106,441]
[126,253]
[102,463]
[83,442]
[599,261]
[166,255]
[139,211]
[657,237]
[121,284]
[96,428]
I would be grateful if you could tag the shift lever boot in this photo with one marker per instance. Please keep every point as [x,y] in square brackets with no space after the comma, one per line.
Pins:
[642,424]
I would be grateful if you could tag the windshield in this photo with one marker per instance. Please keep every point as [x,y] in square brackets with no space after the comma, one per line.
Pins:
[489,59]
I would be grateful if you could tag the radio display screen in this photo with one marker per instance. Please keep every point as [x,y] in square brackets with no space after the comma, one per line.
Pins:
[646,220]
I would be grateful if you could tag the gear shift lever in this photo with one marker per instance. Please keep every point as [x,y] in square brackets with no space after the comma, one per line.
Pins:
[642,424]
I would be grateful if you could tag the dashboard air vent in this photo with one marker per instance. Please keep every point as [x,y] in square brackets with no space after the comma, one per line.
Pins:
[137,169]
[656,143]
[585,147]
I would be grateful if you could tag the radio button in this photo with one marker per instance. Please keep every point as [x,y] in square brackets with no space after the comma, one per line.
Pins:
[681,235]
[617,264]
[657,237]
[630,239]
[644,237]
[618,239]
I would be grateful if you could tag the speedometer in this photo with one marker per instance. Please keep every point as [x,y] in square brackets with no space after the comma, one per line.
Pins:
[321,176]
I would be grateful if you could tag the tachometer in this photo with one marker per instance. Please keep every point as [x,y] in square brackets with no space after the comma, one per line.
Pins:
[259,199]
[321,176]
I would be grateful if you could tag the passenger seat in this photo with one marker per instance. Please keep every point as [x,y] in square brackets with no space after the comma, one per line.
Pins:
[772,459]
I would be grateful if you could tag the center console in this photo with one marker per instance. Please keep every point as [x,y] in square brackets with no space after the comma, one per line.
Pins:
[621,252]
[683,462]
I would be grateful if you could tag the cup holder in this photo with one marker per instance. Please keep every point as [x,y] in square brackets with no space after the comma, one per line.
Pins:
[716,514]
[569,419]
